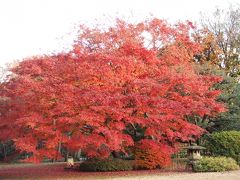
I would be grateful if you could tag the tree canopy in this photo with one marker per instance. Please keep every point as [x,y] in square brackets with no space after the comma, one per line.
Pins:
[224,25]
[113,80]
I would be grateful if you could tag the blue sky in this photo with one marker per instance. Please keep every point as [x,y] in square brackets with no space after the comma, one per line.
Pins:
[33,27]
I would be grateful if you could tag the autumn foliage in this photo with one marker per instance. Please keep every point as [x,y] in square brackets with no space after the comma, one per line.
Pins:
[114,78]
[149,155]
[211,52]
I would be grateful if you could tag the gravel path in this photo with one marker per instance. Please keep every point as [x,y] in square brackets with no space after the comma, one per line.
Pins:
[233,175]
[56,172]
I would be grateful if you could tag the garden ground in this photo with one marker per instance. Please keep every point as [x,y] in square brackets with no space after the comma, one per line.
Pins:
[56,171]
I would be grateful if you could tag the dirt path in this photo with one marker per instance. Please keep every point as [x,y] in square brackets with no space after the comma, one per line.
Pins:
[233,175]
[56,172]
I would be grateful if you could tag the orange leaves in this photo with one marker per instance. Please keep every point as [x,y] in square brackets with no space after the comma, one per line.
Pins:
[210,49]
[149,155]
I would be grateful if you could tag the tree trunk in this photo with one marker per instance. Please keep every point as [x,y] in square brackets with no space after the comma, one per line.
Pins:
[116,154]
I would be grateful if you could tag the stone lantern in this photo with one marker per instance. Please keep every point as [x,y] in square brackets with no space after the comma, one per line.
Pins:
[70,162]
[193,155]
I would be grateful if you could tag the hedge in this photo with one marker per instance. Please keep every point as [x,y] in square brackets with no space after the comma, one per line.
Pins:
[215,164]
[106,165]
[225,143]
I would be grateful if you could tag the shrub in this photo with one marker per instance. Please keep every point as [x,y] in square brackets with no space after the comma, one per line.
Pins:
[225,143]
[106,165]
[150,156]
[215,164]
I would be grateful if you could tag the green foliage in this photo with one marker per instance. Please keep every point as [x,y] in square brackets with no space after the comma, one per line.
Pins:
[230,96]
[225,143]
[229,120]
[215,164]
[7,150]
[106,165]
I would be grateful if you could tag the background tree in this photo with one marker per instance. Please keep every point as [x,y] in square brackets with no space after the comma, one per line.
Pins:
[220,56]
[211,52]
[225,26]
[229,120]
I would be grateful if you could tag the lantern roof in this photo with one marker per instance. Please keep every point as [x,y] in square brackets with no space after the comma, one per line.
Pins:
[195,147]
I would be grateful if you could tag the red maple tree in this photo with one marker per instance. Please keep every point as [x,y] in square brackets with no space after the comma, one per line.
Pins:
[114,79]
